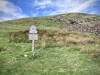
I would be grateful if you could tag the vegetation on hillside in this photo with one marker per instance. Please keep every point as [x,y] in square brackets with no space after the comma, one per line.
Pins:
[57,50]
[53,38]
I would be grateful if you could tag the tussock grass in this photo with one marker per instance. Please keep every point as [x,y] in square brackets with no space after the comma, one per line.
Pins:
[52,38]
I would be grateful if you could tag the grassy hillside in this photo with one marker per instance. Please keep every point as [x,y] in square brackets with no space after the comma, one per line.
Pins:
[57,51]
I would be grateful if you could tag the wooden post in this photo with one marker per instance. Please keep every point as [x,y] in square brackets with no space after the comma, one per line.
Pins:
[33,36]
[33,47]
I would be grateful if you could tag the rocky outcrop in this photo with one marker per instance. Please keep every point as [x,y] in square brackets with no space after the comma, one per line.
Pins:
[79,22]
[85,29]
[96,30]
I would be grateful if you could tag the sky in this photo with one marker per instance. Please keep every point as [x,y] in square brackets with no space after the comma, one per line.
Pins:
[15,9]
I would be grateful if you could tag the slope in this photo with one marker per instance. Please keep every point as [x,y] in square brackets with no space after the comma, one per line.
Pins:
[57,52]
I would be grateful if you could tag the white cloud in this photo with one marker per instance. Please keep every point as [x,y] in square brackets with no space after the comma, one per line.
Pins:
[42,7]
[34,14]
[9,11]
[72,6]
[63,6]
[42,2]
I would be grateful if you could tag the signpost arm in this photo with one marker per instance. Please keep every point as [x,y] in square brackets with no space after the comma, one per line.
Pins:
[33,47]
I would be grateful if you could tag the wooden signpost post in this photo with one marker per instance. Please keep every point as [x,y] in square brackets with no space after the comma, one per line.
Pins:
[33,36]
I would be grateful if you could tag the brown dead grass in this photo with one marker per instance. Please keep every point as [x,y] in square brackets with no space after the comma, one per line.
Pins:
[84,42]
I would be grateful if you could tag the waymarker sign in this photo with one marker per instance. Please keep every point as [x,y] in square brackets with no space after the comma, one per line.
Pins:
[33,36]
[33,29]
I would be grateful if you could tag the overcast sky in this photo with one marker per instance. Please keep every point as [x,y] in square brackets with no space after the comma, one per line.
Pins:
[14,9]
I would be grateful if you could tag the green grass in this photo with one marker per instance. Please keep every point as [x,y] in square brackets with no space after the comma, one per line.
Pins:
[57,52]
[49,61]
[51,38]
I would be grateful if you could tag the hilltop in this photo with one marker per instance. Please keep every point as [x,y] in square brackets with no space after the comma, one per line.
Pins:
[77,22]
[80,22]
